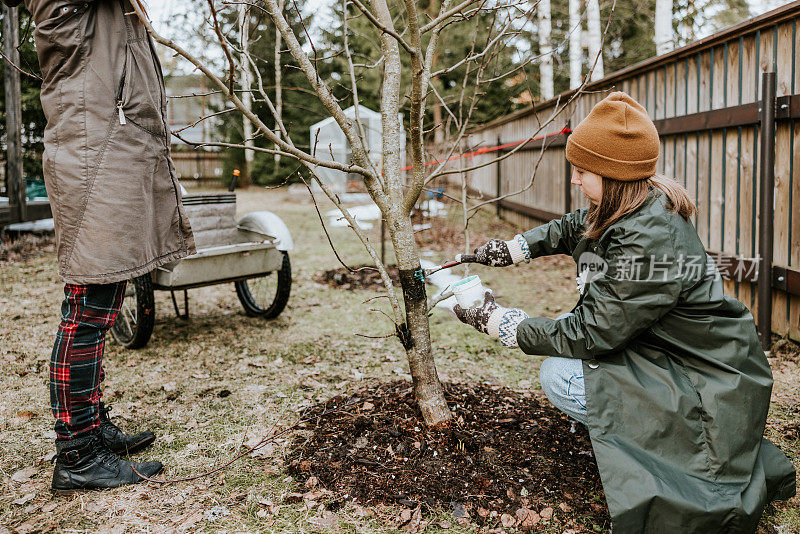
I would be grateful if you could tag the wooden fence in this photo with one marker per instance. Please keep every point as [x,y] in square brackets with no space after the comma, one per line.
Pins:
[707,102]
[199,168]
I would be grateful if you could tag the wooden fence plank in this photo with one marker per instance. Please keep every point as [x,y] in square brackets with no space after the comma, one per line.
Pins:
[719,89]
[716,169]
[781,220]
[668,156]
[650,89]
[745,208]
[784,52]
[702,188]
[670,96]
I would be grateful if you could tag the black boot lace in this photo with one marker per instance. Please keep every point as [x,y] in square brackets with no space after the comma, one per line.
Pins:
[105,419]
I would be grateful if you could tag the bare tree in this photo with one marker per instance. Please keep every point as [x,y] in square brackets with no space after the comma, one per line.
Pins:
[663,26]
[546,50]
[575,49]
[247,98]
[278,83]
[595,38]
[392,192]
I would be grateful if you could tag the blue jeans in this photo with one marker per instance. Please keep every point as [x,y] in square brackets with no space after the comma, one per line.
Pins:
[562,382]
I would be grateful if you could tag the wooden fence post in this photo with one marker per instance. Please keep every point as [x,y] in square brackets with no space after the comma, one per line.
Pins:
[767,208]
[14,177]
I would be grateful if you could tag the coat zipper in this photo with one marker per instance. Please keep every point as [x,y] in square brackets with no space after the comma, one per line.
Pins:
[121,88]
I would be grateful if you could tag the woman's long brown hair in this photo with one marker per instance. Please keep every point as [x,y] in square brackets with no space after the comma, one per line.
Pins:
[621,198]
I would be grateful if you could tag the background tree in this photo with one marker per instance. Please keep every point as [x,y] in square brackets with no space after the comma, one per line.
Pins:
[33,117]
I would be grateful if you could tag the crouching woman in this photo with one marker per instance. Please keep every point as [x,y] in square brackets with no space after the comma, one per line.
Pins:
[664,369]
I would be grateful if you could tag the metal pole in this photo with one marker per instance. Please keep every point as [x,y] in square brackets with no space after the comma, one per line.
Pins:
[767,208]
[499,178]
[567,182]
[14,176]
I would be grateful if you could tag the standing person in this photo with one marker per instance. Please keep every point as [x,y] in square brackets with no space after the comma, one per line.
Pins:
[664,369]
[117,210]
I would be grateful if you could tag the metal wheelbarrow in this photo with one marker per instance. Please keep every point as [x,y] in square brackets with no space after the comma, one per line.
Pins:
[251,252]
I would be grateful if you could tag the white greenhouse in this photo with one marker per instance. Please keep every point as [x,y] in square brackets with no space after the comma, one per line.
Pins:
[328,142]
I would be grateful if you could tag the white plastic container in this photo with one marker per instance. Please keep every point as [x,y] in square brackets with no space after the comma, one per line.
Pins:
[469,291]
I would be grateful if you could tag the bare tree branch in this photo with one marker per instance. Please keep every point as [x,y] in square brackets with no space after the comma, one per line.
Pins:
[444,15]
[380,26]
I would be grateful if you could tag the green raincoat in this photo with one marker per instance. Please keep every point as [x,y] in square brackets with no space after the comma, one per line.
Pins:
[677,385]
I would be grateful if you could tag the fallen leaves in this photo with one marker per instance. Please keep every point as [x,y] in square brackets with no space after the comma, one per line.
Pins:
[25,499]
[23,417]
[24,475]
[411,520]
[507,521]
[527,518]
[324,519]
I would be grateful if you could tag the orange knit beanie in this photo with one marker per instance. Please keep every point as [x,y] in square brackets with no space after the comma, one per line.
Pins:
[616,140]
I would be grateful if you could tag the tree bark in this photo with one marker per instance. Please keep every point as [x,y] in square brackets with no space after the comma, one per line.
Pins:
[545,50]
[575,50]
[278,83]
[663,26]
[415,334]
[427,387]
[15,178]
[595,39]
[247,97]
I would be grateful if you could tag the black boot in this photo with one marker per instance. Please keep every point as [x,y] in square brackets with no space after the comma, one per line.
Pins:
[117,440]
[87,464]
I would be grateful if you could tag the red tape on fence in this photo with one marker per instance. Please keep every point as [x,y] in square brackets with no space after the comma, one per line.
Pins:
[487,149]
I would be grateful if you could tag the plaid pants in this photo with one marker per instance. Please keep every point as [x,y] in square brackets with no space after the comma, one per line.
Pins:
[76,365]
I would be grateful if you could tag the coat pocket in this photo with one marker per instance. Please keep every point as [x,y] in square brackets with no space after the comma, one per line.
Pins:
[59,37]
[139,96]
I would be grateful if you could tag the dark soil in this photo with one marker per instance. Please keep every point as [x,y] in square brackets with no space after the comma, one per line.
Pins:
[505,453]
[361,277]
[785,349]
[25,247]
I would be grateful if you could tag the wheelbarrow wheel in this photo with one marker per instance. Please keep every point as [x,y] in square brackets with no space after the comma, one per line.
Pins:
[136,318]
[266,296]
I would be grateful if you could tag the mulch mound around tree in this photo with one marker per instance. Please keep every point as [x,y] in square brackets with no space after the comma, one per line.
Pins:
[361,277]
[507,459]
[785,349]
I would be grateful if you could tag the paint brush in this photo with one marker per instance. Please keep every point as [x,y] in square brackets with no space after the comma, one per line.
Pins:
[460,258]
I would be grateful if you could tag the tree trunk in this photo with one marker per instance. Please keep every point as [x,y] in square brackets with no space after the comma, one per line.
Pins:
[546,51]
[663,26]
[575,51]
[438,133]
[417,340]
[14,176]
[247,97]
[278,85]
[595,39]
[415,333]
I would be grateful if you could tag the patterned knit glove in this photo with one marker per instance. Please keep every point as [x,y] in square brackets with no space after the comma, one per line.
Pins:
[499,253]
[498,322]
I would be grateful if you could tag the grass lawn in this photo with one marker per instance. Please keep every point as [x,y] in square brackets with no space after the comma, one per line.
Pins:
[220,379]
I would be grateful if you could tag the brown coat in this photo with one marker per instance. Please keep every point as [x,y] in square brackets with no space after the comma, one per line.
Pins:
[111,182]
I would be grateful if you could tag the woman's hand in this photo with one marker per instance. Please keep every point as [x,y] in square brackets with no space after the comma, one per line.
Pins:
[490,318]
[499,253]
